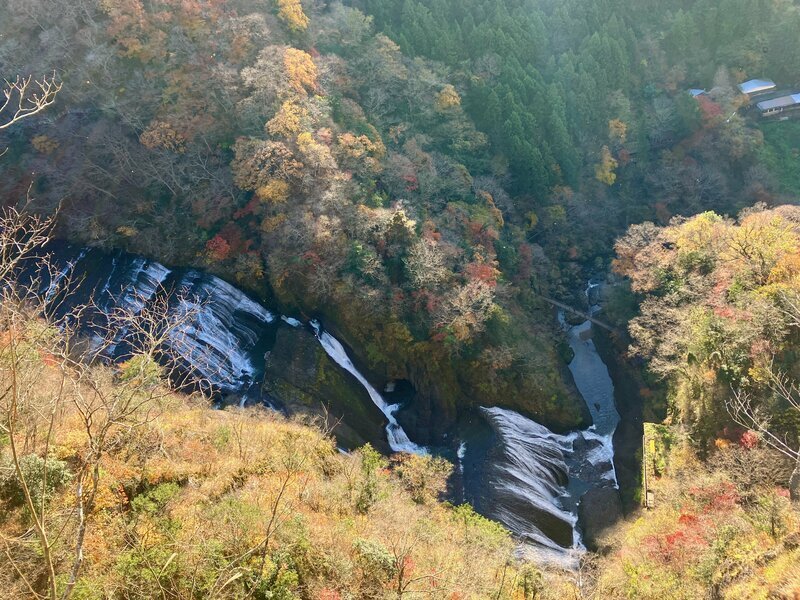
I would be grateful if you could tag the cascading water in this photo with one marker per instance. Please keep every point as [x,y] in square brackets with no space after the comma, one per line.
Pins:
[398,439]
[536,477]
[220,342]
[460,454]
[222,346]
[53,285]
[527,480]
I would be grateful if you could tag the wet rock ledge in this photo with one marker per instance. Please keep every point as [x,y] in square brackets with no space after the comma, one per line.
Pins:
[303,378]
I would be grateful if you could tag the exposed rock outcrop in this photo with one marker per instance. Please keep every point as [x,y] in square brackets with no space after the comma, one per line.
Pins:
[599,510]
[301,376]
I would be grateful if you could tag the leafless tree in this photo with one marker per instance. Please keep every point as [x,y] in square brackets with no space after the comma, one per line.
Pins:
[24,97]
[21,236]
[791,307]
[117,400]
[748,412]
[40,343]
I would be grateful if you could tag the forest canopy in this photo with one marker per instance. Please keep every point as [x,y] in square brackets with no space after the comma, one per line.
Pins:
[428,178]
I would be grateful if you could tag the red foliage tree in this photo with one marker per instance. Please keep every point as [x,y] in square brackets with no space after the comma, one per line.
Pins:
[482,272]
[218,248]
[710,111]
[749,439]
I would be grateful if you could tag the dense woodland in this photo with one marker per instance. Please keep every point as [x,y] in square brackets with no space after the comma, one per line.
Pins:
[416,173]
[420,174]
[719,325]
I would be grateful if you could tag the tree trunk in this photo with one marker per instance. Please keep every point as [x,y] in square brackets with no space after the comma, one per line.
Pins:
[794,482]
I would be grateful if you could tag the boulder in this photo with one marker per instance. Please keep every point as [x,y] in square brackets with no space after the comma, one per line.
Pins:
[599,509]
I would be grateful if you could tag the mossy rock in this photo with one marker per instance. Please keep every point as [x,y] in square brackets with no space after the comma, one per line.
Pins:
[301,376]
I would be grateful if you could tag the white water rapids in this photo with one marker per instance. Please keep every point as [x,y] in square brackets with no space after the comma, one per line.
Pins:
[221,347]
[528,481]
[535,477]
[539,478]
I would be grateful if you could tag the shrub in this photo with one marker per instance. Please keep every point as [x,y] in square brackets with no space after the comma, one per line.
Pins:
[375,561]
[156,499]
[142,370]
[425,477]
[33,468]
[368,488]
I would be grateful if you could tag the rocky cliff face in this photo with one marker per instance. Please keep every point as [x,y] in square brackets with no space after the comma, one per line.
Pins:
[301,376]
[600,509]
[447,386]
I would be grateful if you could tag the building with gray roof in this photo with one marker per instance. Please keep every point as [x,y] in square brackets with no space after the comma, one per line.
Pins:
[756,86]
[776,106]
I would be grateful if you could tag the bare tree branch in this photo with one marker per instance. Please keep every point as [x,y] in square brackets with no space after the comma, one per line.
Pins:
[747,412]
[24,97]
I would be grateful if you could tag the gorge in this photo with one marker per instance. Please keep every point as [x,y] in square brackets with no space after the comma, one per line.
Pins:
[527,477]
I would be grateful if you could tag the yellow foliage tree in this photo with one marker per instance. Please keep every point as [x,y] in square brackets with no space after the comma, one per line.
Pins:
[288,121]
[275,191]
[617,131]
[317,156]
[357,147]
[300,69]
[270,224]
[292,15]
[604,170]
[447,99]
[359,152]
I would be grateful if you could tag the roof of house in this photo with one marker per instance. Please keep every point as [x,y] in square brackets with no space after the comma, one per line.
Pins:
[696,92]
[756,85]
[782,102]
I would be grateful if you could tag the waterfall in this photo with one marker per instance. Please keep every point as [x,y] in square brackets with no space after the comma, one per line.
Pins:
[53,286]
[219,341]
[397,437]
[528,479]
[221,347]
[460,454]
[538,477]
[533,478]
[140,282]
[145,280]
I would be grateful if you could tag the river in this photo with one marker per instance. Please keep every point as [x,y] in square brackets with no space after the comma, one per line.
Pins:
[514,469]
[537,479]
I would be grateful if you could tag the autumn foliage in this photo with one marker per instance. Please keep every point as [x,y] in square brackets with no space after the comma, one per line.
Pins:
[710,529]
[193,489]
[292,15]
[719,307]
